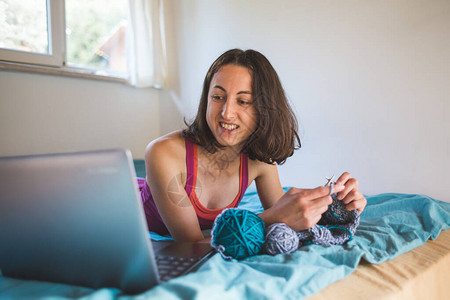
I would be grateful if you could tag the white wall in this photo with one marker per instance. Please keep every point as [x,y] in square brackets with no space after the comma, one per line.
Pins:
[369,80]
[48,114]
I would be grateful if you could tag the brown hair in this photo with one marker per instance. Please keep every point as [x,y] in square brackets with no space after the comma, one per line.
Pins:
[275,137]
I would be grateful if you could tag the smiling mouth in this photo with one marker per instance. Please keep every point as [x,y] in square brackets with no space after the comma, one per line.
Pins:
[228,126]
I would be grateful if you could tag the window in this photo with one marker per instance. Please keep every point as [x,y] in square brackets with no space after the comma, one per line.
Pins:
[96,34]
[86,35]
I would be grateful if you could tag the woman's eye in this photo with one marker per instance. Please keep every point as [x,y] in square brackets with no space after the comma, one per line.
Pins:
[217,97]
[244,102]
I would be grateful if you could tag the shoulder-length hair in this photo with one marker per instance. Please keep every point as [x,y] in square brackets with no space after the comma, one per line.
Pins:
[275,137]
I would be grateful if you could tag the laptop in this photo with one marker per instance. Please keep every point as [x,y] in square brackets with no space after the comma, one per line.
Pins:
[77,218]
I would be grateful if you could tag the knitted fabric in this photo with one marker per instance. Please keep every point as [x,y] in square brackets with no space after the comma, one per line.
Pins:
[336,227]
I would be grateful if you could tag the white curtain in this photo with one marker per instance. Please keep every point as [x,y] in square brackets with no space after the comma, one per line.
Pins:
[146,50]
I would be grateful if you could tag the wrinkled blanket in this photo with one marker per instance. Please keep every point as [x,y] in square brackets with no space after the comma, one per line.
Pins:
[391,224]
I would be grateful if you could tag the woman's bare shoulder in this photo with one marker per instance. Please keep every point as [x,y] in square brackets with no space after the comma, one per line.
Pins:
[171,145]
[259,168]
[171,142]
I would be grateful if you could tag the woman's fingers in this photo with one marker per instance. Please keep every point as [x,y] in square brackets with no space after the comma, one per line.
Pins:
[350,195]
[349,183]
[354,200]
[358,204]
[303,208]
[342,180]
[312,204]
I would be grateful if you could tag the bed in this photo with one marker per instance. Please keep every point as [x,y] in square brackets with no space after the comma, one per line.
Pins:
[422,273]
[400,250]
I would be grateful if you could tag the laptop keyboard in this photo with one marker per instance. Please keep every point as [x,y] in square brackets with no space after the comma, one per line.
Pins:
[173,266]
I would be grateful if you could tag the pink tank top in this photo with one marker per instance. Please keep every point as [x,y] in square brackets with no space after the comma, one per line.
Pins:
[205,215]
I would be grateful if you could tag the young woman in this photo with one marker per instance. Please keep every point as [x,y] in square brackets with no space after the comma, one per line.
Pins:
[243,128]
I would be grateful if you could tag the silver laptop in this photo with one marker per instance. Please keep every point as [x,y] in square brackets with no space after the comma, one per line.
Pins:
[77,218]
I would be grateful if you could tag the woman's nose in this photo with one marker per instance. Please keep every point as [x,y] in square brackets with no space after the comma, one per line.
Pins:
[228,110]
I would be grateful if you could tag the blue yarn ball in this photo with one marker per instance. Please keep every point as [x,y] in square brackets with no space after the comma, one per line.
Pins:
[237,233]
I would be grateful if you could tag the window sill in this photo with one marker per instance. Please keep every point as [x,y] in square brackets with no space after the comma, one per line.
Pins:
[70,72]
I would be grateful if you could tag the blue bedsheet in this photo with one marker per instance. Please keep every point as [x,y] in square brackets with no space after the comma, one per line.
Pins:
[392,224]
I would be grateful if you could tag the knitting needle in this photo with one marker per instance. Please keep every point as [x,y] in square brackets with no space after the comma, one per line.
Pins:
[330,183]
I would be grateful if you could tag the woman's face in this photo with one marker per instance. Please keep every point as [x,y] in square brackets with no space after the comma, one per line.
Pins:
[230,114]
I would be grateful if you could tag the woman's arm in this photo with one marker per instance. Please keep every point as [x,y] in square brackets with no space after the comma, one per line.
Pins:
[300,209]
[268,184]
[166,175]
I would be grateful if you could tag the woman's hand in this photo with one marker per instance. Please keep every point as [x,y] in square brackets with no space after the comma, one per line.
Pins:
[350,195]
[300,209]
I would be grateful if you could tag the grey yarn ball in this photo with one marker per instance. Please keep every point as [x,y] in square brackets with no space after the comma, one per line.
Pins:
[280,238]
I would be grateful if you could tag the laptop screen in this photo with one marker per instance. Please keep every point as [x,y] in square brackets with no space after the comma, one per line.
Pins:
[75,218]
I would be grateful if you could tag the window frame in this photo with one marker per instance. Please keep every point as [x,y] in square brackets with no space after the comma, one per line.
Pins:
[56,41]
[55,63]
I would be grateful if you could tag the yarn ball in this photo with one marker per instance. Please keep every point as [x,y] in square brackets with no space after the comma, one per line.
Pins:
[280,238]
[237,233]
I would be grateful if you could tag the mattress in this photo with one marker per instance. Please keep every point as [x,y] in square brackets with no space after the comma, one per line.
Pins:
[422,273]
